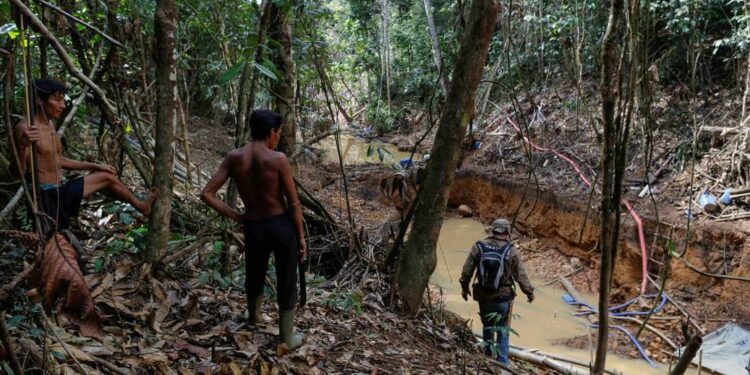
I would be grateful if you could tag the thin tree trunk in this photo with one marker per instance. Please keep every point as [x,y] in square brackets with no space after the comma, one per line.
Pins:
[611,187]
[485,97]
[282,90]
[43,58]
[326,84]
[694,343]
[386,52]
[8,345]
[436,46]
[242,136]
[185,142]
[226,54]
[265,11]
[165,28]
[419,259]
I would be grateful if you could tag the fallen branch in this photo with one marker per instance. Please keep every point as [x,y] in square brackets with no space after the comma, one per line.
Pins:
[649,327]
[714,275]
[8,345]
[110,366]
[60,341]
[680,308]
[33,350]
[12,204]
[310,142]
[565,359]
[549,362]
[5,292]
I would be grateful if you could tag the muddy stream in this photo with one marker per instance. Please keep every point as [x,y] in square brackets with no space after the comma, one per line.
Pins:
[354,150]
[540,324]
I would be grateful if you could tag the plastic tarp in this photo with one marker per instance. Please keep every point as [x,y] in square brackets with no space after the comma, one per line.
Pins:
[726,350]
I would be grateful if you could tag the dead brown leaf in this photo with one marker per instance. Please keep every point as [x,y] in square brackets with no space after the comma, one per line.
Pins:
[60,278]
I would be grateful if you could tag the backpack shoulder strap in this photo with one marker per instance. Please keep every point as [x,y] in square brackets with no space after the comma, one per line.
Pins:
[481,246]
[505,250]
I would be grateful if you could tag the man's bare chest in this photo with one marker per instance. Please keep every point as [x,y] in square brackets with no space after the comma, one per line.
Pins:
[49,144]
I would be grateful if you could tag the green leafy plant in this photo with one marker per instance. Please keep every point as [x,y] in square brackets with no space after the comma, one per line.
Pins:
[348,301]
[133,241]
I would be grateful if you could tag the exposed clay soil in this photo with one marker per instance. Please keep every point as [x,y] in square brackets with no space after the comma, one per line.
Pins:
[558,223]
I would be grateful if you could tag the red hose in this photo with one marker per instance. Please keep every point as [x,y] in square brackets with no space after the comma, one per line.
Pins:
[638,221]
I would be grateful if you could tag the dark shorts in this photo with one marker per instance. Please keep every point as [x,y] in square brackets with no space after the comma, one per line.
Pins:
[62,203]
[275,235]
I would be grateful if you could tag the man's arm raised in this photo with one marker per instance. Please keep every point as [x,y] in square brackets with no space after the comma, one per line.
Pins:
[208,195]
[290,192]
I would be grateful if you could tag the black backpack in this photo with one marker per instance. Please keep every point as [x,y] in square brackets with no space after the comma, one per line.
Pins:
[492,264]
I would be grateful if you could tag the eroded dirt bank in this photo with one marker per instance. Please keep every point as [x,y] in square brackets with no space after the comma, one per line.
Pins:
[561,222]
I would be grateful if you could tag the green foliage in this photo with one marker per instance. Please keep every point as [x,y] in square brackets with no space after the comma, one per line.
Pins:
[739,39]
[134,241]
[6,367]
[383,118]
[231,73]
[691,28]
[347,301]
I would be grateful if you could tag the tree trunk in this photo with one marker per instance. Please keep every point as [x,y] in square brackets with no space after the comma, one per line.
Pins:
[282,90]
[419,259]
[165,28]
[436,46]
[43,58]
[611,174]
[694,344]
[243,130]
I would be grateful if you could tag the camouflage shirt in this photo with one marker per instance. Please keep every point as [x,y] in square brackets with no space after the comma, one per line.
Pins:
[514,269]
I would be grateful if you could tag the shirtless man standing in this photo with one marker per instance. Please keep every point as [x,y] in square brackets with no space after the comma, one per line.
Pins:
[61,200]
[272,218]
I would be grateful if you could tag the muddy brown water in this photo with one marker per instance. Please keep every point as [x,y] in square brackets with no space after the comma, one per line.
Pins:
[354,151]
[540,324]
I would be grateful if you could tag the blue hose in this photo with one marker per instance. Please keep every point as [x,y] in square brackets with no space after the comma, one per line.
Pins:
[635,343]
[631,313]
[570,300]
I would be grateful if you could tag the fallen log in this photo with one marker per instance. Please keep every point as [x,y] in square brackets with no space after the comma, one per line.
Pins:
[566,359]
[549,362]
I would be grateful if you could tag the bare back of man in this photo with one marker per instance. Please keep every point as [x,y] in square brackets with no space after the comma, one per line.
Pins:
[272,220]
[257,171]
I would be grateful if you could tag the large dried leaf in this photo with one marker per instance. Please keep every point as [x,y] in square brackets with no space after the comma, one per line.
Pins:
[61,279]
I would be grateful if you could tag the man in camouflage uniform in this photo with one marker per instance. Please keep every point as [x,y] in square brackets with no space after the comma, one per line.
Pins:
[495,303]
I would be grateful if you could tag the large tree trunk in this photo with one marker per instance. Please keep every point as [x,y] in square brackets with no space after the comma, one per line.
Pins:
[419,259]
[612,166]
[282,90]
[436,46]
[165,28]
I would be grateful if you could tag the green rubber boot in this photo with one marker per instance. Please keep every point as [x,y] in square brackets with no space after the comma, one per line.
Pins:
[254,315]
[286,330]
